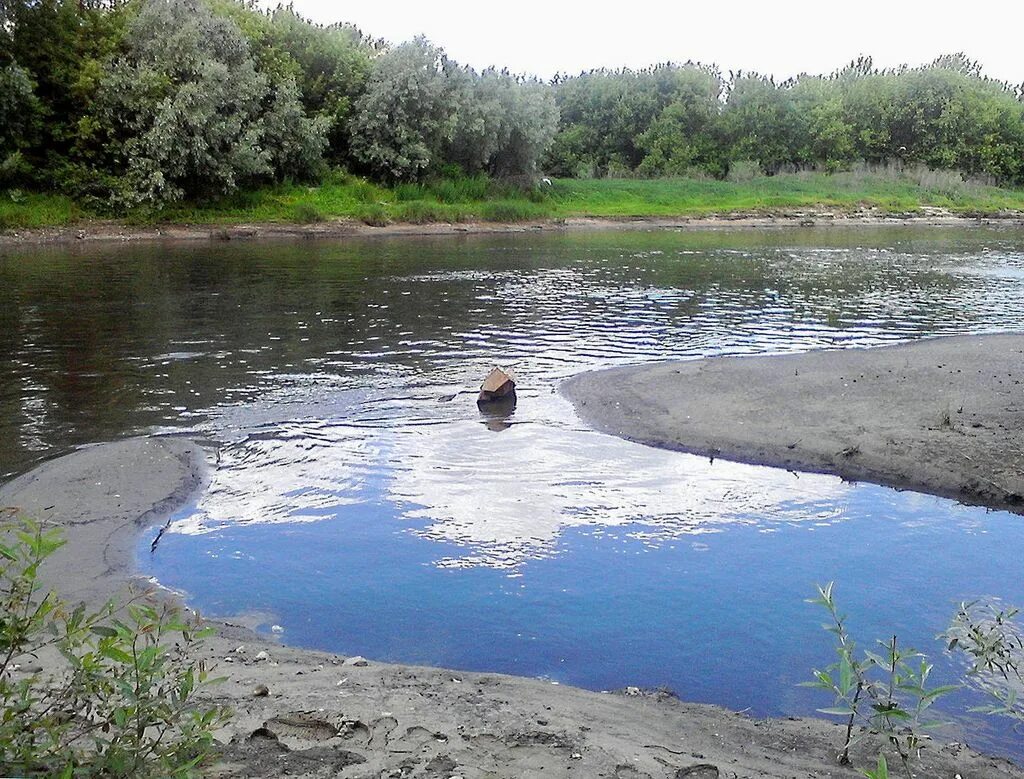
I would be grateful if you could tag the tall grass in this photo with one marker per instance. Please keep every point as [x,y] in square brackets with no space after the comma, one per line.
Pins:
[886,188]
[26,211]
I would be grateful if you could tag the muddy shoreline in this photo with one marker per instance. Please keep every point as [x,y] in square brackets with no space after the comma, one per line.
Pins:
[337,229]
[328,715]
[943,415]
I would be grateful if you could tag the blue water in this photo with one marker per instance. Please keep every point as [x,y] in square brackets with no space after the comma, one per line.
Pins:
[359,502]
[718,616]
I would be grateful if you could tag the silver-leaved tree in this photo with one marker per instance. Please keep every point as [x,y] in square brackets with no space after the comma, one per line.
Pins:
[191,114]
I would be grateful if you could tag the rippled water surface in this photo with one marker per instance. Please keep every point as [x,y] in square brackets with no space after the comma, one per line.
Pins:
[360,502]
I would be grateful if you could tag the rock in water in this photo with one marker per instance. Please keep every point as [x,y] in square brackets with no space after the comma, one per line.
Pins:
[497,385]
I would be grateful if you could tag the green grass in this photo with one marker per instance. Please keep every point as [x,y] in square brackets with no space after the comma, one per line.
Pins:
[469,199]
[843,191]
[18,211]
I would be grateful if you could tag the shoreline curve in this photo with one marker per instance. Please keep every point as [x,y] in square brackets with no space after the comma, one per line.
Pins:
[98,231]
[324,715]
[943,415]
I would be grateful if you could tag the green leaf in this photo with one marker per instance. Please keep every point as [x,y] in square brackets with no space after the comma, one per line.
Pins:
[939,691]
[845,675]
[882,772]
[838,711]
[103,630]
[115,654]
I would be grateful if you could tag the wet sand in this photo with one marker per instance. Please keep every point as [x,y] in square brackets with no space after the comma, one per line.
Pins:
[943,416]
[97,231]
[326,715]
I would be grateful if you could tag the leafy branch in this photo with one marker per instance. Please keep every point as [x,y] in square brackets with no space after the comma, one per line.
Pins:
[118,699]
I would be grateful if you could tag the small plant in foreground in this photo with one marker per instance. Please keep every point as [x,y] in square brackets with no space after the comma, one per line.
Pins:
[118,698]
[881,772]
[886,692]
[994,643]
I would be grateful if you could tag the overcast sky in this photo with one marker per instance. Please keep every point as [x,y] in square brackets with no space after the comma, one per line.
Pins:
[783,38]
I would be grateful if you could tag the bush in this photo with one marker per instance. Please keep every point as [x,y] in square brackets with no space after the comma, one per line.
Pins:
[191,115]
[121,702]
[993,641]
[307,213]
[509,211]
[375,215]
[423,212]
[886,691]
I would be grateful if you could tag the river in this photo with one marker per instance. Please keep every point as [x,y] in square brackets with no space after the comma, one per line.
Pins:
[358,500]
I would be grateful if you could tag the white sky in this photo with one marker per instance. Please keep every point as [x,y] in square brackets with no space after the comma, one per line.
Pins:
[783,38]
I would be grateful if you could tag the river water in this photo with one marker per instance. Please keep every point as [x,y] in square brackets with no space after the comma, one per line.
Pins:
[359,502]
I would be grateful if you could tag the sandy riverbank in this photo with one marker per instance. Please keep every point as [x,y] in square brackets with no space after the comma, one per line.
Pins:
[944,416]
[108,231]
[329,717]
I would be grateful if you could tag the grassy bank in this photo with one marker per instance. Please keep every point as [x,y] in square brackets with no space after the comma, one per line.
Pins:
[463,200]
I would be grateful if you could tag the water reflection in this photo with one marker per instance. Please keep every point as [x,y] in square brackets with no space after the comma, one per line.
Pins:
[364,503]
[497,414]
[100,342]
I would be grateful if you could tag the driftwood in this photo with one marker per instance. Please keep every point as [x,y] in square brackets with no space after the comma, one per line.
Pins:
[497,386]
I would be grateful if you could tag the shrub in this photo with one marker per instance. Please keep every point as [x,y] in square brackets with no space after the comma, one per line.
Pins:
[423,212]
[994,644]
[375,215]
[192,116]
[121,702]
[886,692]
[307,213]
[405,113]
[509,211]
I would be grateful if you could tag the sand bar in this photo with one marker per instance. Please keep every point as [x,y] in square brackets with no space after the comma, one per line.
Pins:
[943,416]
[328,717]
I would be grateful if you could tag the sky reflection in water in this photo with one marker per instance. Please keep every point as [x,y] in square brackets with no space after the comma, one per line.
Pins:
[361,507]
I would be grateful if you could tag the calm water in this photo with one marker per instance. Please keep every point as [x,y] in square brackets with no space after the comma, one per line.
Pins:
[360,502]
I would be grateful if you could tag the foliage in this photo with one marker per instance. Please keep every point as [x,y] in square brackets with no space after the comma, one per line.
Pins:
[686,120]
[406,114]
[503,123]
[993,641]
[155,101]
[881,771]
[121,704]
[611,121]
[329,64]
[19,120]
[887,692]
[463,198]
[64,47]
[191,114]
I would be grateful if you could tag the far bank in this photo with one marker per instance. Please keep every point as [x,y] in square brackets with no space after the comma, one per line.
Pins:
[351,205]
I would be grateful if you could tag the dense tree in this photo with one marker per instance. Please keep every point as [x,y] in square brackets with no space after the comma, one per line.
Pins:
[63,46]
[407,113]
[191,113]
[682,139]
[149,101]
[19,121]
[330,64]
[503,123]
[659,121]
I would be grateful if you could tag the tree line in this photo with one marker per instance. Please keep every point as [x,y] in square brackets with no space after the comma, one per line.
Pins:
[128,103]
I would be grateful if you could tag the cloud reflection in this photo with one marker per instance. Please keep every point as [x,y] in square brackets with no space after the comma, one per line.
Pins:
[499,499]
